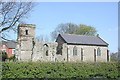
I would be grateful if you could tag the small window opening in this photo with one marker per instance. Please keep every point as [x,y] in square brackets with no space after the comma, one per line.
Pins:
[26,32]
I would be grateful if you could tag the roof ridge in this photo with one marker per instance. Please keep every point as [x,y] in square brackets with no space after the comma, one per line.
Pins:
[78,35]
[103,40]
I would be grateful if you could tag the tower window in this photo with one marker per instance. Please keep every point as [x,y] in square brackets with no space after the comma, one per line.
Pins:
[26,32]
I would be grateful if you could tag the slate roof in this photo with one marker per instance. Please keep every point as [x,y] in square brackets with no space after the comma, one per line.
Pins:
[9,44]
[83,39]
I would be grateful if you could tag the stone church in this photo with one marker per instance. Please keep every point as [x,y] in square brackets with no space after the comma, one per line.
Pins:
[67,48]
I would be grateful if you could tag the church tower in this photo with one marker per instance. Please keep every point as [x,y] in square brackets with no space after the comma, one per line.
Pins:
[26,35]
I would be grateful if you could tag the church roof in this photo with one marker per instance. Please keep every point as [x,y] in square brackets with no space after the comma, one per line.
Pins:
[83,39]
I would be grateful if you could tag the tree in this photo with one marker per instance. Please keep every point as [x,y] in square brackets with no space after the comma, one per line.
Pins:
[12,13]
[114,56]
[71,28]
[3,56]
[64,28]
[42,38]
[86,30]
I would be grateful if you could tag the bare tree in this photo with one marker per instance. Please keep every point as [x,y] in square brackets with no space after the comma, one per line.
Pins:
[12,13]
[42,38]
[64,28]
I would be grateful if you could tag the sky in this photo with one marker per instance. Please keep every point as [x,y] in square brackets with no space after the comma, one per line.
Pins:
[101,15]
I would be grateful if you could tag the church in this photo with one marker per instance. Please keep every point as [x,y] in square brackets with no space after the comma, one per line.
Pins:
[66,48]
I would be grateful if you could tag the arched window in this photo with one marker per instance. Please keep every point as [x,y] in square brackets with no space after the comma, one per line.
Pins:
[46,49]
[75,51]
[98,52]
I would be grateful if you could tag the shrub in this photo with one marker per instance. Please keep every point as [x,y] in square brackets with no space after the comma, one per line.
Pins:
[59,70]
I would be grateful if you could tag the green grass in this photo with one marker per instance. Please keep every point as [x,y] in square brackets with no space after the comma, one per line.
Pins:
[59,70]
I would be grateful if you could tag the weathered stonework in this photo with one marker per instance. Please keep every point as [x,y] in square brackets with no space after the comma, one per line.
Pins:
[29,49]
[88,53]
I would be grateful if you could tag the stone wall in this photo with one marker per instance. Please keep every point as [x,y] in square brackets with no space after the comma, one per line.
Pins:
[40,54]
[88,53]
[29,49]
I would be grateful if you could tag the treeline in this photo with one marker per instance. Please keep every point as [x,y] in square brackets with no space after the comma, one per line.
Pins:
[71,28]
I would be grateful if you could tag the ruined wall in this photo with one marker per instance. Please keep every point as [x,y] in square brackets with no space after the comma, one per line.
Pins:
[62,57]
[41,54]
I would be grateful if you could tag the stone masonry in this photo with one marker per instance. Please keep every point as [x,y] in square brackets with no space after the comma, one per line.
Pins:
[30,49]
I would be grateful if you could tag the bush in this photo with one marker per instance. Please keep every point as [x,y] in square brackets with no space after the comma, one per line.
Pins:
[59,70]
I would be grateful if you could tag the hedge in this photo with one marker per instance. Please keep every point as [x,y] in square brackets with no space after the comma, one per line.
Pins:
[59,70]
